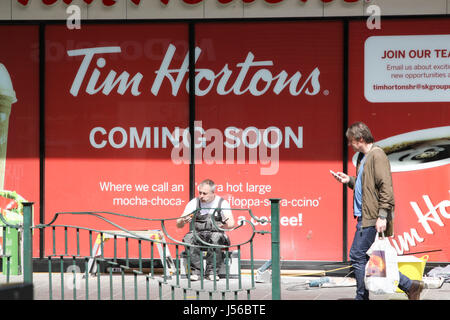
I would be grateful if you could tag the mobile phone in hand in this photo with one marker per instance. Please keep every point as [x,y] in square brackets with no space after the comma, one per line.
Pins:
[334,173]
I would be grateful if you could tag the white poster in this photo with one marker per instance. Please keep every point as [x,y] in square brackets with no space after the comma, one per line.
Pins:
[407,68]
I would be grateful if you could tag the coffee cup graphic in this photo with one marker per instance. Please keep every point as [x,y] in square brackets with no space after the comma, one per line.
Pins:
[417,150]
[7,98]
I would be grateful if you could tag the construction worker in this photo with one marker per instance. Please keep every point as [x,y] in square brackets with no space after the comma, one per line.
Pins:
[202,210]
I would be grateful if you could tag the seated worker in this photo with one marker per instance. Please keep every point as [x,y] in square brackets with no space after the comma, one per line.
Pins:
[203,208]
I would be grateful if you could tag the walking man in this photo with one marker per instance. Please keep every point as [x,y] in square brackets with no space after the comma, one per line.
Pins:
[373,206]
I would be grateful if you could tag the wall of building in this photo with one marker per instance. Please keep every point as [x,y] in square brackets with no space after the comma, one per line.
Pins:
[75,120]
[212,9]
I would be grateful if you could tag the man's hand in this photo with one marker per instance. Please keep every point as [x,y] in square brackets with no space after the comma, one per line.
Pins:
[380,225]
[228,223]
[183,220]
[341,177]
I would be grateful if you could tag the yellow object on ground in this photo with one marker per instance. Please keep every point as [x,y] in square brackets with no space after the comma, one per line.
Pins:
[412,267]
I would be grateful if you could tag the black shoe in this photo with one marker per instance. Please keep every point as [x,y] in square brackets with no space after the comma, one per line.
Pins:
[415,290]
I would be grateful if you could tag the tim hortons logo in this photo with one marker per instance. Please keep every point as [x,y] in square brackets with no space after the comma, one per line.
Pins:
[428,218]
[166,2]
[296,84]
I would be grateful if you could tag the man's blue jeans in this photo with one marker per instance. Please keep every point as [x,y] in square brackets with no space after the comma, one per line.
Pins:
[364,238]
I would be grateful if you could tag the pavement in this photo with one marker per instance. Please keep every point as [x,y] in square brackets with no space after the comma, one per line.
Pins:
[133,295]
[140,287]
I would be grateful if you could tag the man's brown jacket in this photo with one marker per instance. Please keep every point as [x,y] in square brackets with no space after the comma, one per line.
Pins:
[377,190]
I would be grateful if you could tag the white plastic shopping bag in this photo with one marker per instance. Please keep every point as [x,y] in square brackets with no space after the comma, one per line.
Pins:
[381,275]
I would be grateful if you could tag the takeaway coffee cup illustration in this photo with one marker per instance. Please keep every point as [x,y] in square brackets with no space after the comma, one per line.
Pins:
[417,150]
[7,98]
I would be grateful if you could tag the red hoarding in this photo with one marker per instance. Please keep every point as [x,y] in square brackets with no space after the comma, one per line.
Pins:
[112,95]
[109,123]
[271,94]
[268,124]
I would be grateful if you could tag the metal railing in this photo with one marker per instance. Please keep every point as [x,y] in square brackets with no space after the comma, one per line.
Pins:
[16,238]
[143,275]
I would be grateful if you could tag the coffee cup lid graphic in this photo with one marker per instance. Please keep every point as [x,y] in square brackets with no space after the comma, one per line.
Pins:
[417,150]
[6,87]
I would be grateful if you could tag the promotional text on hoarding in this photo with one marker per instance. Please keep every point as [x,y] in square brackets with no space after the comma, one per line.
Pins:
[231,138]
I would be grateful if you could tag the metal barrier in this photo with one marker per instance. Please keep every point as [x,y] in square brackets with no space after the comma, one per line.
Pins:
[171,279]
[12,247]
